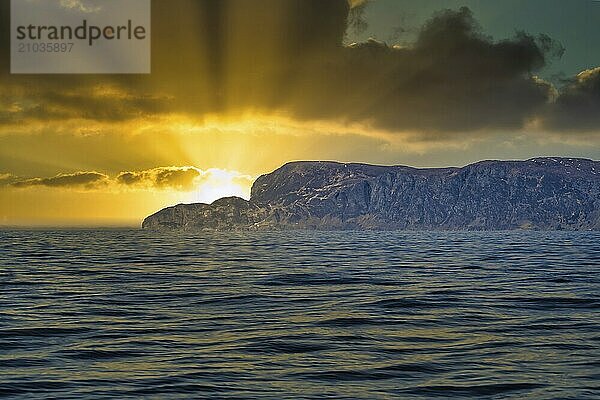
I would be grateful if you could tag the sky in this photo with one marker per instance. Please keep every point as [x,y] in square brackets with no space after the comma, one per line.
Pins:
[240,87]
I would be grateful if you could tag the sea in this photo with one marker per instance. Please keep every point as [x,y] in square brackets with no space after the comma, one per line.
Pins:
[130,314]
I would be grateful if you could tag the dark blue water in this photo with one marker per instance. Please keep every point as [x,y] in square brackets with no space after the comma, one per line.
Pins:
[129,314]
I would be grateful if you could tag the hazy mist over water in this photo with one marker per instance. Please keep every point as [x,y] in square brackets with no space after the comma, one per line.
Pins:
[132,314]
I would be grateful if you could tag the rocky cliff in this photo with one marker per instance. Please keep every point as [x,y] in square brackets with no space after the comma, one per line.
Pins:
[541,193]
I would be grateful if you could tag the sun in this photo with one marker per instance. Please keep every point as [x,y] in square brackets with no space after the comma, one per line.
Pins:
[216,183]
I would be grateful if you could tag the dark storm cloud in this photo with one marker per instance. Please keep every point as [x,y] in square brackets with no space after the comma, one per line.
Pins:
[230,56]
[87,180]
[452,79]
[577,107]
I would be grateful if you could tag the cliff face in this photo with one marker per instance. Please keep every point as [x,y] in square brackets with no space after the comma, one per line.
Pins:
[542,193]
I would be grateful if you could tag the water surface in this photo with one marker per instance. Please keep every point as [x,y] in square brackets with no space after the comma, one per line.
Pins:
[88,314]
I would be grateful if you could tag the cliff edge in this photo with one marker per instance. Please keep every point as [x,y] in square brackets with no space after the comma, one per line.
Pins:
[542,193]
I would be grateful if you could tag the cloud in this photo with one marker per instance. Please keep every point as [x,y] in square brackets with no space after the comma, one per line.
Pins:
[161,178]
[199,185]
[577,106]
[452,79]
[79,5]
[452,82]
[177,178]
[86,180]
[6,179]
[356,18]
[106,102]
[358,3]
[187,179]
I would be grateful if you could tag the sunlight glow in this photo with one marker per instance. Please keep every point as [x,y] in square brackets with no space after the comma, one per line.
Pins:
[217,183]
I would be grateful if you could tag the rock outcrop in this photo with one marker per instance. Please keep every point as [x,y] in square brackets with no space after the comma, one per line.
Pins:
[541,193]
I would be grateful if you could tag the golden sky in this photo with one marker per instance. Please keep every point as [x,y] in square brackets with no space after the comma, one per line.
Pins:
[240,87]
